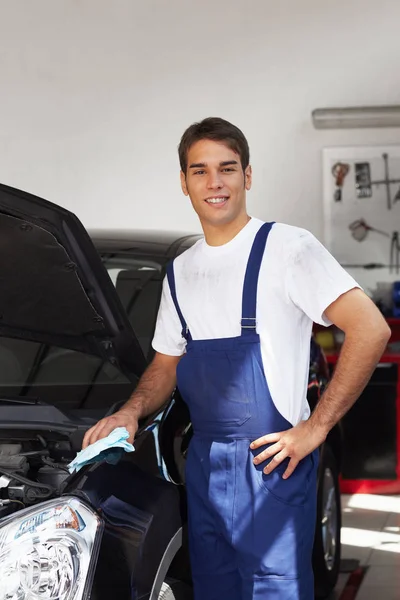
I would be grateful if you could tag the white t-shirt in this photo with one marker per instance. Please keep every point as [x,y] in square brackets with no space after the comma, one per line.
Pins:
[298,280]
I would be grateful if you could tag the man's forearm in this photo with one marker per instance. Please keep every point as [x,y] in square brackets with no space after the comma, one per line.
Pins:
[154,388]
[358,358]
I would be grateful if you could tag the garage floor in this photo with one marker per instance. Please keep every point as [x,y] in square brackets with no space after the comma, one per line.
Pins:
[370,539]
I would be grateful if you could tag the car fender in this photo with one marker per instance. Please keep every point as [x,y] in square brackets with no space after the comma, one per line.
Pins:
[142,528]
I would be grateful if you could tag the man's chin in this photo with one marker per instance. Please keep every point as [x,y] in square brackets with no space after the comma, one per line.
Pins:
[217,220]
[220,218]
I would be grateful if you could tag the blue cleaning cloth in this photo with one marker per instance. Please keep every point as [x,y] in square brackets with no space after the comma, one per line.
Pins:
[110,449]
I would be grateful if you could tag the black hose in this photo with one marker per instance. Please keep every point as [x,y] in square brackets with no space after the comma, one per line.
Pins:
[21,479]
[41,440]
[34,453]
[55,465]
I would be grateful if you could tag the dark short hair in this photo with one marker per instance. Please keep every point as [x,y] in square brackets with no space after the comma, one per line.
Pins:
[218,130]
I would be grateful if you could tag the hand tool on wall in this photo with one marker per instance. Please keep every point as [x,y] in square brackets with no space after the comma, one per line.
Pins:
[339,171]
[360,228]
[394,251]
[363,180]
[367,266]
[364,183]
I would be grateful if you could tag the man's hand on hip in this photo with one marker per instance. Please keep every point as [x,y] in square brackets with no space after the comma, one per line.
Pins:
[295,443]
[122,418]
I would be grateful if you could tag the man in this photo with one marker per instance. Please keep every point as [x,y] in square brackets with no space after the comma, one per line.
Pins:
[233,331]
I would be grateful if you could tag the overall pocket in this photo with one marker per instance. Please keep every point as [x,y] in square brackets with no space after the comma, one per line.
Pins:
[213,385]
[295,490]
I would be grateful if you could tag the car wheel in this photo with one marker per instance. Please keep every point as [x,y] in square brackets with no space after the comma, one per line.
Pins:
[326,553]
[172,589]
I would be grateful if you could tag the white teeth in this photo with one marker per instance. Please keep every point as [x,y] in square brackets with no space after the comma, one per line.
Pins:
[216,200]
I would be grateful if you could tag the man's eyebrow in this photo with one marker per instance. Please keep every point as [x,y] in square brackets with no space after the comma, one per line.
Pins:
[197,165]
[224,163]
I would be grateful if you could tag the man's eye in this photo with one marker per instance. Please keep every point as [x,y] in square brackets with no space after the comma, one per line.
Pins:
[228,169]
[198,172]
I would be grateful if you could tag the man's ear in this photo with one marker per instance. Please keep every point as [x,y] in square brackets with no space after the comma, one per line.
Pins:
[183,184]
[248,175]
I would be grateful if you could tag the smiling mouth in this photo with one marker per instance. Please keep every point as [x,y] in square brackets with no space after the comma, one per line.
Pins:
[217,201]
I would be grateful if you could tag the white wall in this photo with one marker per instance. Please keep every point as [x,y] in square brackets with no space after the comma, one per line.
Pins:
[95,95]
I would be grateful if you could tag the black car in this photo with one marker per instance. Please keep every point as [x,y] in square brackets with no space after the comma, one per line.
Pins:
[77,315]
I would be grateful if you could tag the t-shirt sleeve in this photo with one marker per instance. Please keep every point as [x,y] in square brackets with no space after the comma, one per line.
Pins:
[315,279]
[168,333]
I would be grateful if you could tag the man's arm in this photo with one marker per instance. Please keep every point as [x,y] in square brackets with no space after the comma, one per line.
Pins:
[366,336]
[153,390]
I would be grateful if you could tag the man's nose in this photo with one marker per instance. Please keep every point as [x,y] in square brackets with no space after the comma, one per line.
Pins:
[214,181]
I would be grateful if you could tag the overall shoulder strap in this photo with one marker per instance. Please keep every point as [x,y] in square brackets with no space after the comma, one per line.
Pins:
[172,287]
[249,301]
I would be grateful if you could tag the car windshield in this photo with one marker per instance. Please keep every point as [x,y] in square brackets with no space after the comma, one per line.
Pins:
[138,282]
[71,379]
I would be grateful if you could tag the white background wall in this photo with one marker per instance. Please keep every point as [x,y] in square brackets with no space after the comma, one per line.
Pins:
[95,95]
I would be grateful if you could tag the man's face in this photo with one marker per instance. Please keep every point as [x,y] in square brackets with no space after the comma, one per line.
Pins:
[215,182]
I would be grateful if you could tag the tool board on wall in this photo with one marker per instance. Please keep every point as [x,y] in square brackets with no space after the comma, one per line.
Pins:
[361,187]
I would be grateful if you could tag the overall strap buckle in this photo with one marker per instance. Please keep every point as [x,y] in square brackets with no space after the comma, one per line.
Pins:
[186,333]
[244,323]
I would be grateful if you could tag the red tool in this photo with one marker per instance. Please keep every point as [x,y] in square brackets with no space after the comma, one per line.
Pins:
[339,171]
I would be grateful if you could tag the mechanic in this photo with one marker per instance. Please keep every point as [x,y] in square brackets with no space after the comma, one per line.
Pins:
[233,332]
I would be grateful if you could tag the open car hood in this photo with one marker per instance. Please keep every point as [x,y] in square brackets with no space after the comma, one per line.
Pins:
[54,287]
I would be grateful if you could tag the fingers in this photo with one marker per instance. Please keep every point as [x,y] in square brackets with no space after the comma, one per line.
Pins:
[290,468]
[105,426]
[278,458]
[103,430]
[87,436]
[280,449]
[92,435]
[266,454]
[99,431]
[271,438]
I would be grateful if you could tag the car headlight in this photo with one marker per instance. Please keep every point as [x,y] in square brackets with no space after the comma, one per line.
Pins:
[49,552]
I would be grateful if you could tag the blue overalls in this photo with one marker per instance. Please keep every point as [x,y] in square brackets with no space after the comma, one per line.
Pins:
[251,534]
